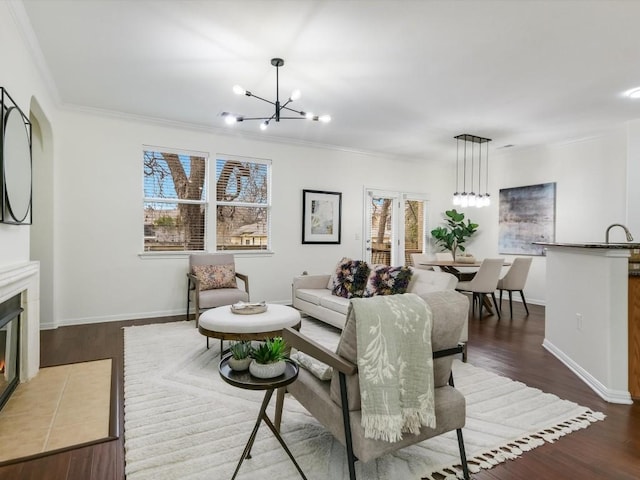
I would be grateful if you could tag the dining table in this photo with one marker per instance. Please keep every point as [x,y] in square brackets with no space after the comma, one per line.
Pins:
[453,267]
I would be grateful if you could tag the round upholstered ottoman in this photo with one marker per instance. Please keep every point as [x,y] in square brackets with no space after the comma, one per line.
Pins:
[222,323]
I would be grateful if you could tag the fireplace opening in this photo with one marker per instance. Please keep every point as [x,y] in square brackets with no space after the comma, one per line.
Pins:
[9,347]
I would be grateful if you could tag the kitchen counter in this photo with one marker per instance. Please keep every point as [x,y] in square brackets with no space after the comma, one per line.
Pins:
[608,246]
[586,318]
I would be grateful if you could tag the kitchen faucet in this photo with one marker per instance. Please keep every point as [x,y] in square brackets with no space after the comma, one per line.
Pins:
[626,231]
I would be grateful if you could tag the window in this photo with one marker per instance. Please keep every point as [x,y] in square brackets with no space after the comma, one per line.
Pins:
[243,203]
[175,200]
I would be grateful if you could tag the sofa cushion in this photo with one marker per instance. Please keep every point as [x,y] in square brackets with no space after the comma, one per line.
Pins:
[350,278]
[215,276]
[337,304]
[386,280]
[312,295]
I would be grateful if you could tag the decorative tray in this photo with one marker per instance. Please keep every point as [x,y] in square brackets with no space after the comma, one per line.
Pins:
[249,308]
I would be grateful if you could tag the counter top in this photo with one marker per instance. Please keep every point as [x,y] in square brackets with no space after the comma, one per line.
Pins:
[601,245]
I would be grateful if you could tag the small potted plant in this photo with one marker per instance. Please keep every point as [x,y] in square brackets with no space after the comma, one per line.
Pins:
[269,359]
[240,355]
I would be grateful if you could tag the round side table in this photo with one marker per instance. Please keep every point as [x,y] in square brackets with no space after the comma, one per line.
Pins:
[269,385]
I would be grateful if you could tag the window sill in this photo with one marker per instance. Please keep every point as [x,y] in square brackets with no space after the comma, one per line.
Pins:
[174,255]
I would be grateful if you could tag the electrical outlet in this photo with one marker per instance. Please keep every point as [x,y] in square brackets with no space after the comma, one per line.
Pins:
[579,321]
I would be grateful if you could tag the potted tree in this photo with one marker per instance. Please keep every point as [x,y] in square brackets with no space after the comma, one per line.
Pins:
[240,355]
[452,236]
[269,359]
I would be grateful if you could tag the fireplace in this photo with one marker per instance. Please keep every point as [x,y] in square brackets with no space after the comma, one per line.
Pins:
[20,285]
[9,347]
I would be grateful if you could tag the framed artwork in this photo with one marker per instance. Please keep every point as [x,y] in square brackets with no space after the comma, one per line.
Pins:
[526,215]
[321,216]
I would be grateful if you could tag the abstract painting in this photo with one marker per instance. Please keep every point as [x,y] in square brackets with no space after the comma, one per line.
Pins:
[526,215]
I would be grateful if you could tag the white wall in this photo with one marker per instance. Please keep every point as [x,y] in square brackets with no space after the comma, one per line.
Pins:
[99,213]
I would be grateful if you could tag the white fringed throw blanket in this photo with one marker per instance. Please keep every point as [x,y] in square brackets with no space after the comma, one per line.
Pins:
[395,364]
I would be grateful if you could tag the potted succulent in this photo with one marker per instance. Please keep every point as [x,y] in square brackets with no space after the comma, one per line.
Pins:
[455,233]
[240,355]
[269,359]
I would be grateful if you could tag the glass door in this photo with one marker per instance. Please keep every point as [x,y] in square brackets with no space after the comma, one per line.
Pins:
[395,227]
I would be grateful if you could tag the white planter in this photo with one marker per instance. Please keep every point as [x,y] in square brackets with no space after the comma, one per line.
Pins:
[267,370]
[239,365]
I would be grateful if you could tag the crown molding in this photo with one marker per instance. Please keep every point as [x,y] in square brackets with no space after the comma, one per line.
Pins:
[21,19]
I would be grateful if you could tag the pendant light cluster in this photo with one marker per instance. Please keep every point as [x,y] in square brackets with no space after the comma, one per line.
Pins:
[473,169]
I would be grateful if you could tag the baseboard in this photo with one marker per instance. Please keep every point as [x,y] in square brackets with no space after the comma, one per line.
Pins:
[611,396]
[129,316]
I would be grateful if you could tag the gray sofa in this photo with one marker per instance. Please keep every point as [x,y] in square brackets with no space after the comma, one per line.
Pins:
[311,295]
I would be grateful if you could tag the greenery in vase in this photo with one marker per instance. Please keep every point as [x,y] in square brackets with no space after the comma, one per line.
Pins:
[241,350]
[271,351]
[453,236]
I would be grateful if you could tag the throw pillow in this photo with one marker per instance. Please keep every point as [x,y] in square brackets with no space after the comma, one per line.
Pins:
[351,278]
[313,365]
[385,280]
[215,276]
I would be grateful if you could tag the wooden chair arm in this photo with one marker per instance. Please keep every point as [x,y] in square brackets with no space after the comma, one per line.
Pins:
[196,283]
[296,340]
[245,280]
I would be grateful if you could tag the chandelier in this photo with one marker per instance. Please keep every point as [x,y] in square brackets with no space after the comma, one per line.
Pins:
[280,109]
[472,170]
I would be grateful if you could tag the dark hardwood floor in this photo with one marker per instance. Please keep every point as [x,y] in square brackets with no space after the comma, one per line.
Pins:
[606,450]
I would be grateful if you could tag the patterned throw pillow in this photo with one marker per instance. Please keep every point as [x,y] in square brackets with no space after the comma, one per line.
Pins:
[384,280]
[351,278]
[215,276]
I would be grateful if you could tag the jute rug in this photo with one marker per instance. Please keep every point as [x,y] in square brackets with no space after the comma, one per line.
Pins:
[183,422]
[61,408]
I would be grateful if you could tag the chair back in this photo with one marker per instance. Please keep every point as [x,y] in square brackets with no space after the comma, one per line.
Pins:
[486,280]
[417,259]
[211,259]
[516,277]
[444,257]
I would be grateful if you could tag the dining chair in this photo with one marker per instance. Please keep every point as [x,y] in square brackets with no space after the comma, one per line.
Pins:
[514,281]
[485,282]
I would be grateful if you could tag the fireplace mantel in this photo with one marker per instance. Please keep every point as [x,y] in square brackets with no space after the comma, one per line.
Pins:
[24,279]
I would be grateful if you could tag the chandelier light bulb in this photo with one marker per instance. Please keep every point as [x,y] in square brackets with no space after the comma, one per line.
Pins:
[230,119]
[464,200]
[480,201]
[309,115]
[456,199]
[264,125]
[487,200]
[295,95]
[238,90]
[324,118]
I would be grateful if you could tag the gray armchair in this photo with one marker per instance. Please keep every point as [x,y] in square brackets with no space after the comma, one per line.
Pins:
[215,297]
[339,411]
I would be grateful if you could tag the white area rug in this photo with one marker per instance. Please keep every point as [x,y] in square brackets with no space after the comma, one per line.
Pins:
[183,422]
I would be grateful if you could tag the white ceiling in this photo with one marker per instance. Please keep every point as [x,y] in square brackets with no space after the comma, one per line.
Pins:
[398,77]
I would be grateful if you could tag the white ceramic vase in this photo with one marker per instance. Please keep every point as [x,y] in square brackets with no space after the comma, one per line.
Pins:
[239,365]
[267,370]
